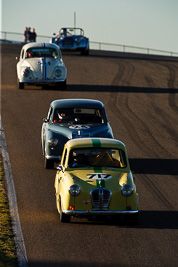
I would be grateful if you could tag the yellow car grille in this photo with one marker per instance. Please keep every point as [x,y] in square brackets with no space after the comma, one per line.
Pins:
[100,198]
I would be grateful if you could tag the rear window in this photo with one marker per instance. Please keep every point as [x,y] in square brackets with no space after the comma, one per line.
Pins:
[78,115]
[97,157]
[42,52]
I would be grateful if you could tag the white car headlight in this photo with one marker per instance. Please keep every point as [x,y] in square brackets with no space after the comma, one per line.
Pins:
[58,73]
[127,190]
[74,190]
[26,72]
[53,142]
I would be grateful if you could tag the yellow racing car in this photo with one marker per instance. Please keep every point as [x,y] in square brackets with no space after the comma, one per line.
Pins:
[94,179]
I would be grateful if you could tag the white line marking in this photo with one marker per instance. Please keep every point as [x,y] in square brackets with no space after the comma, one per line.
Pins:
[18,236]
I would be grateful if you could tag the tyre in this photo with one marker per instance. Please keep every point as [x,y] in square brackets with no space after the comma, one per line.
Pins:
[64,218]
[83,52]
[49,164]
[57,203]
[87,52]
[63,85]
[21,85]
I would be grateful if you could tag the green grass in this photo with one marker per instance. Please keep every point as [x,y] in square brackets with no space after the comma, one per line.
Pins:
[8,257]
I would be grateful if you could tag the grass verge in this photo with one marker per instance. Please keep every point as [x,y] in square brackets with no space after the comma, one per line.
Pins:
[8,257]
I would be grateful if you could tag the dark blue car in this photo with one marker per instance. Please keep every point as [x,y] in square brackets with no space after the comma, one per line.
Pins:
[72,39]
[68,119]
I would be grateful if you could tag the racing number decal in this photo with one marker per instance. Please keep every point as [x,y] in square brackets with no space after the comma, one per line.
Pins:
[78,127]
[99,176]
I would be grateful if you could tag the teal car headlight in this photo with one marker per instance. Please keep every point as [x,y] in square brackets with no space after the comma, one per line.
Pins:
[53,142]
[74,190]
[58,73]
[127,190]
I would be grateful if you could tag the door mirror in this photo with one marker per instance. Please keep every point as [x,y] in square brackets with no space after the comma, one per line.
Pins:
[59,168]
[45,120]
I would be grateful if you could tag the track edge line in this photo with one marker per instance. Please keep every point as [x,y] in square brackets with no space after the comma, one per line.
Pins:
[16,226]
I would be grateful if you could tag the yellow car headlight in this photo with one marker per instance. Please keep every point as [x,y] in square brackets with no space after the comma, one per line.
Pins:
[127,190]
[74,190]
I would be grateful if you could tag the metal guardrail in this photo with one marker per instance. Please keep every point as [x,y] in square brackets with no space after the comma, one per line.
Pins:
[15,37]
[129,48]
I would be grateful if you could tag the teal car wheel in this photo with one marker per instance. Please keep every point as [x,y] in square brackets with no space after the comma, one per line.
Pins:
[49,164]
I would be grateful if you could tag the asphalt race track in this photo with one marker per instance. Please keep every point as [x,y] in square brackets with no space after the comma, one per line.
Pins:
[140,94]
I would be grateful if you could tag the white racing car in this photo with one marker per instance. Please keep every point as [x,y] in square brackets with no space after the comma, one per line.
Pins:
[41,64]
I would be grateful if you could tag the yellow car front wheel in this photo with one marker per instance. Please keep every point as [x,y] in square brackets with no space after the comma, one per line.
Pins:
[64,218]
[57,203]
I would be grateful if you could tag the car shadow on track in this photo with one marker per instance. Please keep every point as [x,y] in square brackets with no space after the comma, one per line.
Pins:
[154,219]
[104,88]
[119,89]
[158,219]
[154,166]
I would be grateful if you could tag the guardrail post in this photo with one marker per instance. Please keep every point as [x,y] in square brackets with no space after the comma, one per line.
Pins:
[5,35]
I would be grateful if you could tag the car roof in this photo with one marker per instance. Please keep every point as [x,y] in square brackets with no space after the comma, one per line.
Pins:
[77,103]
[31,45]
[95,142]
